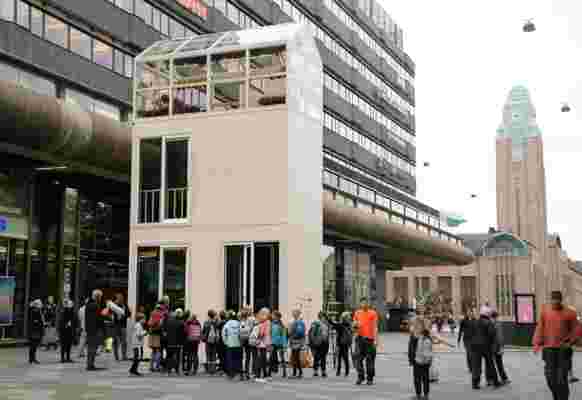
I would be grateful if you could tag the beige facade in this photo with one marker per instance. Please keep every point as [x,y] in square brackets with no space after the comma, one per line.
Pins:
[520,256]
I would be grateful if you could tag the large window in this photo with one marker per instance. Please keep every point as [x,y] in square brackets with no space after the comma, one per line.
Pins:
[102,54]
[80,43]
[7,10]
[164,180]
[56,31]
[92,105]
[167,263]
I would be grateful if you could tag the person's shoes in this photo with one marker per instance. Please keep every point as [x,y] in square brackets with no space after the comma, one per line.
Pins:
[324,375]
[506,382]
[35,361]
[71,361]
[259,380]
[338,373]
[359,381]
[242,378]
[574,379]
[63,361]
[135,373]
[476,387]
[347,374]
[369,382]
[315,374]
[497,385]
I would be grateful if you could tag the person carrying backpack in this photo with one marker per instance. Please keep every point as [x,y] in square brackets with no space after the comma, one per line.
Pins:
[193,330]
[279,339]
[211,337]
[233,354]
[319,343]
[344,340]
[155,334]
[297,343]
[420,357]
[247,324]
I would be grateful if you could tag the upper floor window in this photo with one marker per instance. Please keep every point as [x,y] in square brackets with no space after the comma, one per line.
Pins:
[164,194]
[56,31]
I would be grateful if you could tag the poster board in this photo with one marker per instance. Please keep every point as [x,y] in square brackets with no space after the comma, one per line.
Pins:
[7,290]
[525,309]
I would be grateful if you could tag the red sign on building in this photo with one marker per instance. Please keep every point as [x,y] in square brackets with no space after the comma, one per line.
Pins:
[197,7]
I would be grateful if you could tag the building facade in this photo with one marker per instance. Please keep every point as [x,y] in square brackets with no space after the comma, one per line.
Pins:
[520,257]
[66,96]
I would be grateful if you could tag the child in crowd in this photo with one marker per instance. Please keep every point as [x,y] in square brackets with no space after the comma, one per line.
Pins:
[263,343]
[137,343]
[297,334]
[233,353]
[193,330]
[279,337]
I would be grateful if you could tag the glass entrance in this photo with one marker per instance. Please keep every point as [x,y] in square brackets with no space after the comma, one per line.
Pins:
[252,275]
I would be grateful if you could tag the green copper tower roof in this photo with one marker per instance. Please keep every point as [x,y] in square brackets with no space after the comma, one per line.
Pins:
[519,120]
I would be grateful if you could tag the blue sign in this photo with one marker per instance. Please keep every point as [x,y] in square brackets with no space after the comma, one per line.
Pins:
[3,224]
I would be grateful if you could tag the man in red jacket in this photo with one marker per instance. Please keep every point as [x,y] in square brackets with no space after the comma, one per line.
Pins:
[555,333]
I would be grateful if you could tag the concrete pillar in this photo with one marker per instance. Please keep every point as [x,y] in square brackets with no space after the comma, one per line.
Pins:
[411,289]
[434,286]
[456,294]
[389,284]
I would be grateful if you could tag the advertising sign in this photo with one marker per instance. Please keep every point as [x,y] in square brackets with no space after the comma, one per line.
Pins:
[525,309]
[197,7]
[7,289]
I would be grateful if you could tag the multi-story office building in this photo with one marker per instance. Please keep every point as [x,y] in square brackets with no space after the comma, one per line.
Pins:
[66,69]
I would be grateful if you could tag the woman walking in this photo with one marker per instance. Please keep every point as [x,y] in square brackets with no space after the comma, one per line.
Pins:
[297,333]
[67,326]
[420,357]
[193,337]
[35,329]
[155,335]
[344,339]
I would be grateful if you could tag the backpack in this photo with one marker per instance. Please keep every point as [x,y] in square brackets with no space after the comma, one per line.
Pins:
[246,327]
[318,333]
[212,335]
[193,332]
[298,329]
[424,352]
[254,336]
[347,336]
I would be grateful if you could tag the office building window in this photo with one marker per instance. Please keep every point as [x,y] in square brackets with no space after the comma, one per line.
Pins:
[7,10]
[56,31]
[36,21]
[22,14]
[102,54]
[80,43]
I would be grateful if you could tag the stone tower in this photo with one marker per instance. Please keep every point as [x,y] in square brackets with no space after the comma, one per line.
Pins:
[521,183]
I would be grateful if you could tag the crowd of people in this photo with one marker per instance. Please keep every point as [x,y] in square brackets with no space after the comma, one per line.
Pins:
[237,344]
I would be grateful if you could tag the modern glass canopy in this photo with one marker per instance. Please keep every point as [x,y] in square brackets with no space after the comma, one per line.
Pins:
[214,72]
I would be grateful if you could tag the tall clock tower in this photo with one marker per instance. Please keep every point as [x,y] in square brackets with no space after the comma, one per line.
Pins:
[521,183]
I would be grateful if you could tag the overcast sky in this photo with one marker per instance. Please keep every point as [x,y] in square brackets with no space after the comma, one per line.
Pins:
[468,55]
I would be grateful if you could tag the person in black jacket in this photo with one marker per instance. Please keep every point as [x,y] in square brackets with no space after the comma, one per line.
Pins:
[94,326]
[465,335]
[344,340]
[173,327]
[36,325]
[483,338]
[120,328]
[210,336]
[67,326]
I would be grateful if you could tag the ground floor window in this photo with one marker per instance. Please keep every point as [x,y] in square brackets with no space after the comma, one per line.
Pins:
[12,286]
[161,271]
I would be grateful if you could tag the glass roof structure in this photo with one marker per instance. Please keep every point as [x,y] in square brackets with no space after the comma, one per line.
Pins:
[219,42]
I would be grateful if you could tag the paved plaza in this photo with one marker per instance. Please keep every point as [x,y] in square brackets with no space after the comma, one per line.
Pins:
[52,380]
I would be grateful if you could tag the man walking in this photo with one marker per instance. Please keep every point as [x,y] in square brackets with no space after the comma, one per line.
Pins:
[120,328]
[498,348]
[555,333]
[465,334]
[82,331]
[366,323]
[94,327]
[482,341]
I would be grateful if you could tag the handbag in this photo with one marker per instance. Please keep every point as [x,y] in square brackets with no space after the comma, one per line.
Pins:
[305,358]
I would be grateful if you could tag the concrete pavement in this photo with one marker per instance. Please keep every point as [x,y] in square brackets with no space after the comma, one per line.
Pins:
[54,381]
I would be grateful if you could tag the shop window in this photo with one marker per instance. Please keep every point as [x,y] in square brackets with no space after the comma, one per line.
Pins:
[172,175]
[102,54]
[80,43]
[56,31]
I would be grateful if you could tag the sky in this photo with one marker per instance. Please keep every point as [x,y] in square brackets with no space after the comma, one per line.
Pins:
[468,55]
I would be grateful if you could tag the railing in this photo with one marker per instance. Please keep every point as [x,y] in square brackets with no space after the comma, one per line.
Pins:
[175,205]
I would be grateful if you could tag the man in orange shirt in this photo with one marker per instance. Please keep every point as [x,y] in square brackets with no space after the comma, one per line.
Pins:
[555,333]
[366,323]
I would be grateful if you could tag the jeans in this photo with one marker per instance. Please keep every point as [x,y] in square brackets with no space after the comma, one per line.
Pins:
[343,356]
[296,361]
[262,368]
[478,355]
[211,350]
[367,357]
[136,360]
[91,353]
[250,357]
[233,361]
[66,339]
[173,358]
[156,359]
[556,370]
[320,357]
[498,361]
[421,378]
[190,357]
[120,337]
[32,348]
[82,343]
[278,360]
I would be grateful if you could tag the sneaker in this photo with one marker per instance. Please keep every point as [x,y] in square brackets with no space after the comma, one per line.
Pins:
[259,380]
[574,379]
[359,381]
[324,375]
[369,383]
[315,374]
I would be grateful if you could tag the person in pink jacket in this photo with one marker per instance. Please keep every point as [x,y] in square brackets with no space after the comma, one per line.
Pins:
[263,343]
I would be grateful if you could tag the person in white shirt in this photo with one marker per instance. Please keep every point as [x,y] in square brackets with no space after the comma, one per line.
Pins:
[83,333]
[137,343]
